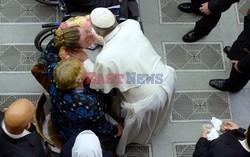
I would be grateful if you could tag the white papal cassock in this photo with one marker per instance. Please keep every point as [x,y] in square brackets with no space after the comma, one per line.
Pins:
[146,99]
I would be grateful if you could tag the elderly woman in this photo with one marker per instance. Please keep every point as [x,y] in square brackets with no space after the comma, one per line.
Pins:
[76,107]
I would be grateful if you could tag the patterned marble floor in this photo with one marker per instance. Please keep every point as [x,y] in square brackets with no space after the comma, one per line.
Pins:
[184,149]
[18,57]
[200,106]
[6,100]
[242,8]
[135,150]
[191,108]
[170,13]
[26,11]
[195,56]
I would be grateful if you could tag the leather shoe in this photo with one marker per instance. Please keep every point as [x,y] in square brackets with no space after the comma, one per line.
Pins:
[219,84]
[185,7]
[191,37]
[227,49]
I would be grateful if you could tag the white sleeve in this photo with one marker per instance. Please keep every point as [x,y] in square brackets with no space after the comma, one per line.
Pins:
[88,65]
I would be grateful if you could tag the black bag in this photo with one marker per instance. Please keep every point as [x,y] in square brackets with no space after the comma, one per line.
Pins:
[237,51]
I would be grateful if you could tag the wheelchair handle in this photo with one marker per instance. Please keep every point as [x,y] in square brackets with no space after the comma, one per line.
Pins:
[55,24]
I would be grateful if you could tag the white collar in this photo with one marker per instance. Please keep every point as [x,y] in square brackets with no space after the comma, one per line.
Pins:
[24,133]
[112,34]
[243,143]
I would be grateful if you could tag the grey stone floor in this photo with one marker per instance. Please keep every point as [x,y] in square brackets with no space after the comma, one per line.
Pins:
[164,25]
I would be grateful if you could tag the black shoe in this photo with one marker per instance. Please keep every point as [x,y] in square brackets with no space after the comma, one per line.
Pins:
[227,49]
[191,37]
[185,7]
[219,84]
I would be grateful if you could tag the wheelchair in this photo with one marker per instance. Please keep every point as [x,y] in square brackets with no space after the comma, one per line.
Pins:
[49,29]
[48,2]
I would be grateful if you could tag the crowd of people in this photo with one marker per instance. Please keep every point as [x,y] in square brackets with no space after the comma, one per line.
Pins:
[83,92]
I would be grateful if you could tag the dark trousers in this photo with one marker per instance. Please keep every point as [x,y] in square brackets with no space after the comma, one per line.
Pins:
[207,22]
[236,81]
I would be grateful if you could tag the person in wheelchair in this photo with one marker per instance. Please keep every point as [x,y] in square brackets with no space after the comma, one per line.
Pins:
[76,107]
[74,36]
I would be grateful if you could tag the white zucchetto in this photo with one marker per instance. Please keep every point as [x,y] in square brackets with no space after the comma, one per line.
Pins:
[102,18]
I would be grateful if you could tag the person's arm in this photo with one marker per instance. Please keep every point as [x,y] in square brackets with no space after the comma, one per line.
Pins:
[202,146]
[240,132]
[246,30]
[244,64]
[94,110]
[95,83]
[51,57]
[88,65]
[220,5]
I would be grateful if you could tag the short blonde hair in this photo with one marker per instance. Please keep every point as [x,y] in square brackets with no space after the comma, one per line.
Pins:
[67,72]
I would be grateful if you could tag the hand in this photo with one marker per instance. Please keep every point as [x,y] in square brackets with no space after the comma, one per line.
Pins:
[120,129]
[204,133]
[228,125]
[235,63]
[204,9]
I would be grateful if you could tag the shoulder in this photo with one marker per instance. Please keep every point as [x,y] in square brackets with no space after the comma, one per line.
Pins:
[130,22]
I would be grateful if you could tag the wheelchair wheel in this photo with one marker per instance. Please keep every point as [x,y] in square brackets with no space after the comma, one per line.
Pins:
[44,36]
[48,2]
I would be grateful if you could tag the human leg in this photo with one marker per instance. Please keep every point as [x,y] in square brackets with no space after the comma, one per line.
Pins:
[202,27]
[234,83]
[192,7]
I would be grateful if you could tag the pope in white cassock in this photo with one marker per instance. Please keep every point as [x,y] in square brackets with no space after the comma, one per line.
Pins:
[129,63]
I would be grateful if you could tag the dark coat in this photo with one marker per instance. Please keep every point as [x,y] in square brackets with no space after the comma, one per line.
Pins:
[244,40]
[226,145]
[27,146]
[220,5]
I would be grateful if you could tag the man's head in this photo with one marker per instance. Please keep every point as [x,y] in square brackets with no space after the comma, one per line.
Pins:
[74,37]
[103,21]
[69,73]
[18,116]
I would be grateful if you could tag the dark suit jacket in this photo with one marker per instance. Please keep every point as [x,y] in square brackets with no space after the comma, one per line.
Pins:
[227,145]
[220,5]
[27,146]
[244,40]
